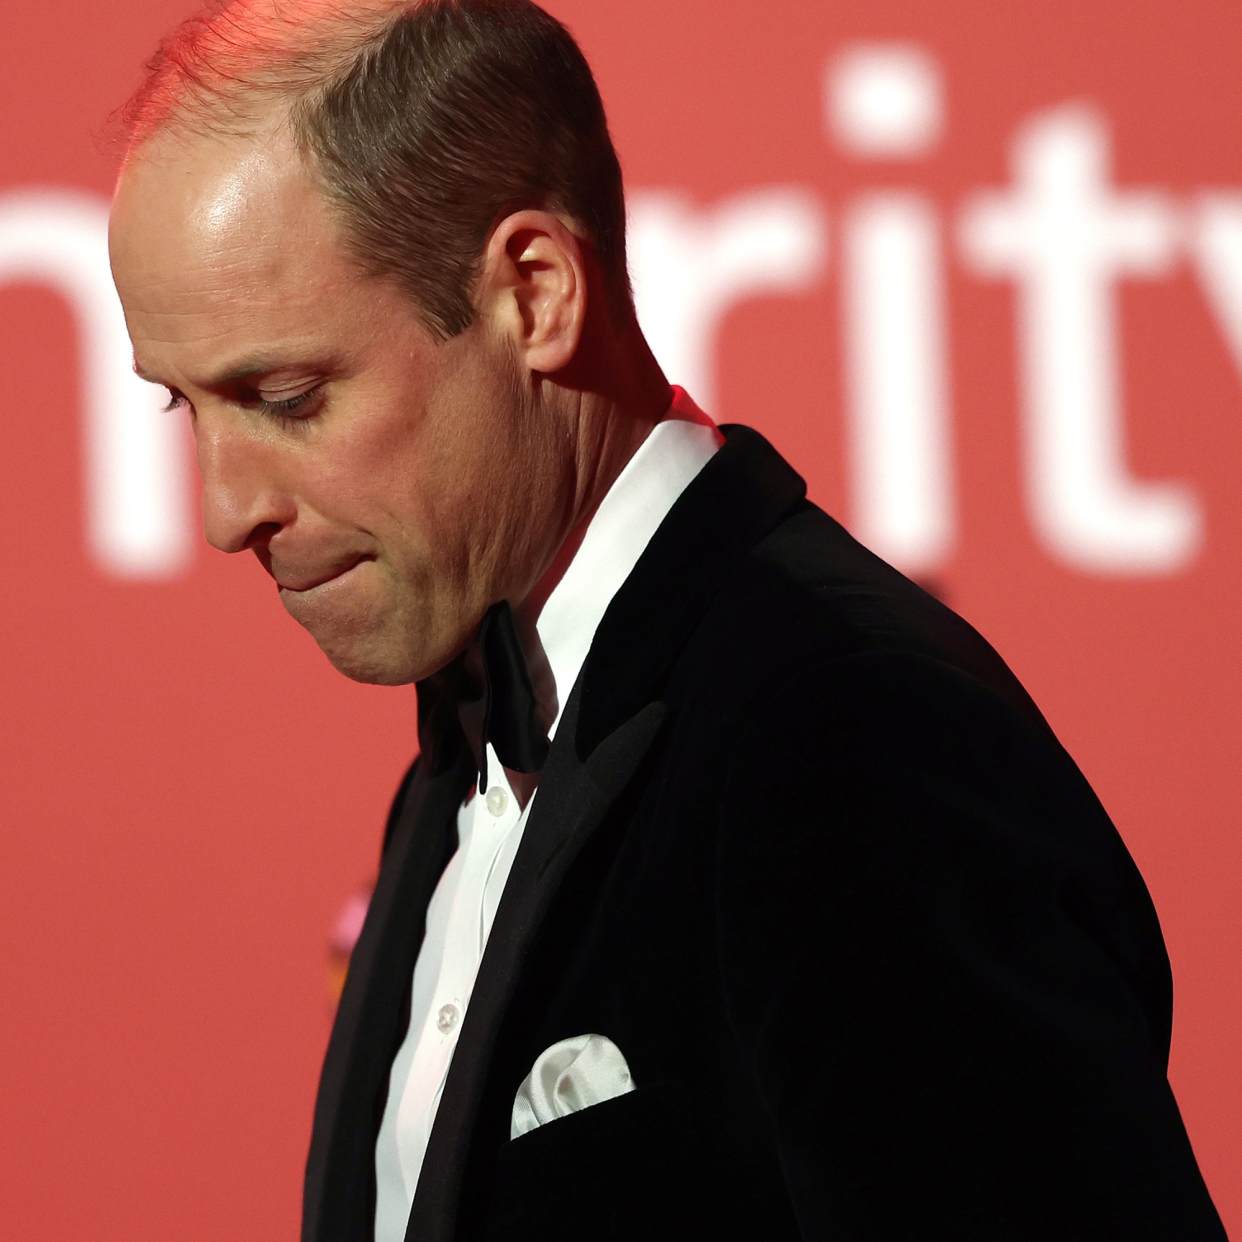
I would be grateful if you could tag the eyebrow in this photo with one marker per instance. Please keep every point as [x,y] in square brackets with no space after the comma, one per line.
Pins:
[244,370]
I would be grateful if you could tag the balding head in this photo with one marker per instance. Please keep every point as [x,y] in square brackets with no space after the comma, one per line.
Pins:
[424,122]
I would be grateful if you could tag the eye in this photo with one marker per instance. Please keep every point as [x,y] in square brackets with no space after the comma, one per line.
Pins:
[176,399]
[291,407]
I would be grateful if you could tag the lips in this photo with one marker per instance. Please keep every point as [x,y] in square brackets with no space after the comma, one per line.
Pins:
[308,580]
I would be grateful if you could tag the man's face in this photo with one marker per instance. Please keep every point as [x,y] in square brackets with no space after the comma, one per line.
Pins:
[392,485]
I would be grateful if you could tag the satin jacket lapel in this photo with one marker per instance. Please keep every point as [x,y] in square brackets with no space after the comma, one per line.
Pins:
[734,501]
[340,1171]
[572,801]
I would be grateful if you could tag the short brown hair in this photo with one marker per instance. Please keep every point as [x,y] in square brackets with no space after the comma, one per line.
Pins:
[427,121]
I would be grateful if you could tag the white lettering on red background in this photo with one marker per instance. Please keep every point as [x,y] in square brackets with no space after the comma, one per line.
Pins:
[138,498]
[1060,233]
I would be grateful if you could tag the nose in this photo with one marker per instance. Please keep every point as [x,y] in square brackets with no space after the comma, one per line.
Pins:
[246,499]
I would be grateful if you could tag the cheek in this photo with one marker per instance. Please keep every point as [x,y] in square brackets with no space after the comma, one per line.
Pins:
[364,467]
[453,479]
[453,465]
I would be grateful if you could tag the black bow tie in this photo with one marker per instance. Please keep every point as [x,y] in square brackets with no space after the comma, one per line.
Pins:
[510,709]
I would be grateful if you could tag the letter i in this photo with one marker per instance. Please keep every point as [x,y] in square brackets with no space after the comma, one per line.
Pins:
[884,101]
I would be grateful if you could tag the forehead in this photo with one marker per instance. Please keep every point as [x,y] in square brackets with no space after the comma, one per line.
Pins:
[208,227]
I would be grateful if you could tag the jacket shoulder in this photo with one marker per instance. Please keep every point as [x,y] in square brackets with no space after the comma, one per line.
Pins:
[809,593]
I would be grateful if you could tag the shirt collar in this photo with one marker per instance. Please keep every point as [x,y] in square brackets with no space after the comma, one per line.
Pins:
[675,450]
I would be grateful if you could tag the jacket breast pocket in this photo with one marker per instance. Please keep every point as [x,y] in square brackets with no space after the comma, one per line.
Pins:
[628,1168]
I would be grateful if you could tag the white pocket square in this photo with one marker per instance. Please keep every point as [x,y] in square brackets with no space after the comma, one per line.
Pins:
[568,1077]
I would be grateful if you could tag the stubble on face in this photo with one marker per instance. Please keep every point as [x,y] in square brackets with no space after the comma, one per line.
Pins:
[417,482]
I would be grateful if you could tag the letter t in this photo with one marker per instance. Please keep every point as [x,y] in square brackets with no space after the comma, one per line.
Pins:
[1065,238]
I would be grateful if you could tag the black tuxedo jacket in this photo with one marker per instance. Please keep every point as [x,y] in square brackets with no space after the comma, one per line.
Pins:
[806,852]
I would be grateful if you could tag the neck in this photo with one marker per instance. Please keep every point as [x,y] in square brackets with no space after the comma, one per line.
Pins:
[618,395]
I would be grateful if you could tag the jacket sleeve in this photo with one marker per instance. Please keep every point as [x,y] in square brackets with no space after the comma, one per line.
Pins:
[945,971]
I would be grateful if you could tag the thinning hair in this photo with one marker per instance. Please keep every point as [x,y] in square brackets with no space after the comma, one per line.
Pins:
[426,122]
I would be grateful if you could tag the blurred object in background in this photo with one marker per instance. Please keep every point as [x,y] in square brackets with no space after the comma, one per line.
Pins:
[344,936]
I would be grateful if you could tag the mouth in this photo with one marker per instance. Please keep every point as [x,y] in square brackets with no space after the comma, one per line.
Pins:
[302,584]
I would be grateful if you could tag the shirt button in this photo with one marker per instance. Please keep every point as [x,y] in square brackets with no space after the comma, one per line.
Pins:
[446,1019]
[497,801]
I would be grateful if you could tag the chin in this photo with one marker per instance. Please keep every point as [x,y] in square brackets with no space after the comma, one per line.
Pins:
[381,658]
[379,642]
[361,662]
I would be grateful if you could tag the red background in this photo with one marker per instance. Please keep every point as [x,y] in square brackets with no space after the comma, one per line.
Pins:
[190,794]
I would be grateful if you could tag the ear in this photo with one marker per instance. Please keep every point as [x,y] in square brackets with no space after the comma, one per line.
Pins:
[534,287]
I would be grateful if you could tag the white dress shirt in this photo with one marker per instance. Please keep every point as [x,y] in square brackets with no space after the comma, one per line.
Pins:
[489,828]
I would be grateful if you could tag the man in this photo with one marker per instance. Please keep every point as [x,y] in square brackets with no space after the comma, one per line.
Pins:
[739,890]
